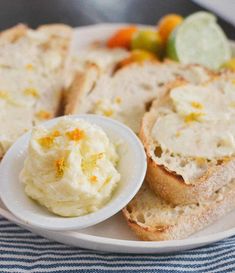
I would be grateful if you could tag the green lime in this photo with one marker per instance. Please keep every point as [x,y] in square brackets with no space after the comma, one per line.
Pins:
[199,39]
[148,40]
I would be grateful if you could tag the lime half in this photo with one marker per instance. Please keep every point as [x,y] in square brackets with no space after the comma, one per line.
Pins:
[199,39]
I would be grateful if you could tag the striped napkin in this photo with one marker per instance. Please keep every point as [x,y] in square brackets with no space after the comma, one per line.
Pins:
[23,251]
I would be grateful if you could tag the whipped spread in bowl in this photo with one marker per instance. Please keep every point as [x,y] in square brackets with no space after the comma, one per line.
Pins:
[83,168]
[70,167]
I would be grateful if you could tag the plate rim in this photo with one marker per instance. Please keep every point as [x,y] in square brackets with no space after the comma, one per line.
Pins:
[129,244]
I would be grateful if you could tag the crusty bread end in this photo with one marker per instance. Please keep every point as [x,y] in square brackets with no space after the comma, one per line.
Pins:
[82,84]
[153,219]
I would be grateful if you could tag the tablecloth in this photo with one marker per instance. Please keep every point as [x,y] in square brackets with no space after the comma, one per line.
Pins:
[23,251]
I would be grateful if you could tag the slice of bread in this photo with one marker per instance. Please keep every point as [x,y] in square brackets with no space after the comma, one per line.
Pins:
[153,219]
[95,55]
[104,58]
[32,66]
[127,94]
[187,168]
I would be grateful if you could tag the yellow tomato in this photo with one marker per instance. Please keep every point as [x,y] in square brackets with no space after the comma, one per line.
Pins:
[167,24]
[147,40]
[138,56]
[230,64]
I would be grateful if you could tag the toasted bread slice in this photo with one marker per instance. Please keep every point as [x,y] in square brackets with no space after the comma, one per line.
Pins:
[153,219]
[127,94]
[177,174]
[32,65]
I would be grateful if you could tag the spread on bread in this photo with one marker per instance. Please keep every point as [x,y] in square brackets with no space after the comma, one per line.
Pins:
[196,122]
[126,95]
[70,168]
[32,77]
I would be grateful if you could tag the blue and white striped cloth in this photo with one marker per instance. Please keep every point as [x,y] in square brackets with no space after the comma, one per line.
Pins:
[22,251]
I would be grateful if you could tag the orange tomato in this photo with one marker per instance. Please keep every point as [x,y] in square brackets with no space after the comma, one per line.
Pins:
[167,24]
[122,38]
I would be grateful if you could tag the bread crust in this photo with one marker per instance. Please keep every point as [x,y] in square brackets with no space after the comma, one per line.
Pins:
[12,34]
[58,29]
[82,84]
[59,37]
[169,185]
[185,225]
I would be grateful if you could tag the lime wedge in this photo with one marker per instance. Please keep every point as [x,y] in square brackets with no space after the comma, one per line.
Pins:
[199,39]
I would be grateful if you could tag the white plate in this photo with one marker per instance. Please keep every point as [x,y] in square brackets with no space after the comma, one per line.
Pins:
[113,234]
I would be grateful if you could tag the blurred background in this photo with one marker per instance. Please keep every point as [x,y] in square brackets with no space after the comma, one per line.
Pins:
[85,12]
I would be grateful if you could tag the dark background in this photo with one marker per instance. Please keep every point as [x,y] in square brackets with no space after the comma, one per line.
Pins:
[84,12]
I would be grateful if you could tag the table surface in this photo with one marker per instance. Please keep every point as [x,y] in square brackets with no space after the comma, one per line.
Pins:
[84,12]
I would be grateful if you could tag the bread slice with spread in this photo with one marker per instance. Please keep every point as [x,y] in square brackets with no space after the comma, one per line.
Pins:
[127,93]
[189,138]
[32,65]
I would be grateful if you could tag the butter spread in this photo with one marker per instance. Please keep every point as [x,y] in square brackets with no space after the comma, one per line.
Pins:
[70,168]
[30,80]
[137,85]
[198,125]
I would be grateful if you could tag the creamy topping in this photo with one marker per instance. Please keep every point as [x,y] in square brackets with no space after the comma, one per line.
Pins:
[136,85]
[107,107]
[70,168]
[198,124]
[30,84]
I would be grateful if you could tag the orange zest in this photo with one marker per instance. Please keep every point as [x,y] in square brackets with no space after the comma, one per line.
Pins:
[29,67]
[4,95]
[122,38]
[178,134]
[46,142]
[93,178]
[167,24]
[91,162]
[55,133]
[118,100]
[30,91]
[193,117]
[60,167]
[43,114]
[75,134]
[196,105]
[108,112]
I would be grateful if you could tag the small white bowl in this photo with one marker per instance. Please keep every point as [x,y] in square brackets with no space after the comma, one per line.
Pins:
[132,167]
